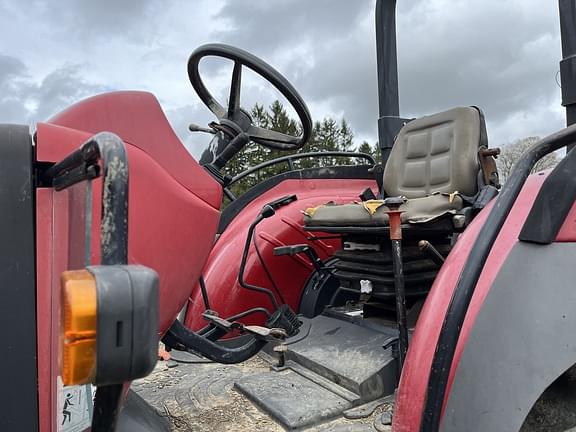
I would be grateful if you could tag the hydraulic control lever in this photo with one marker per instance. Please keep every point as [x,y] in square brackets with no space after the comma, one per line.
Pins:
[283,316]
[281,202]
[395,226]
[431,252]
[267,211]
[301,249]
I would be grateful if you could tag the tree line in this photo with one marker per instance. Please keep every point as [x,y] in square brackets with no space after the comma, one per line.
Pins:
[327,135]
[336,135]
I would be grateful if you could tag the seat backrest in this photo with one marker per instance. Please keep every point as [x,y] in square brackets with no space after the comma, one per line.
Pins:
[437,153]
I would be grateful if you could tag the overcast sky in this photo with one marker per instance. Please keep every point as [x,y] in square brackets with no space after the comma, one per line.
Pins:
[501,55]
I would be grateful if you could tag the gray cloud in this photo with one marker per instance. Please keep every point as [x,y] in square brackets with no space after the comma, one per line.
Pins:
[272,26]
[22,99]
[499,55]
[90,20]
[327,52]
[9,67]
[60,88]
[12,87]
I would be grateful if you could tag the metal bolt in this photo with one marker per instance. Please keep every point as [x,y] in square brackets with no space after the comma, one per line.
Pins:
[281,350]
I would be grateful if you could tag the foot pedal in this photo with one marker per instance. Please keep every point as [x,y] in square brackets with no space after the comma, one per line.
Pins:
[284,318]
[274,332]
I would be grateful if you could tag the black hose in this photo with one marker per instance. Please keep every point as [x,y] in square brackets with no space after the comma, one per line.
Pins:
[241,280]
[266,269]
[204,292]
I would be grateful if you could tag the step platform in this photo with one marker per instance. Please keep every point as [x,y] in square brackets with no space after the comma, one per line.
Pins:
[335,376]
[337,366]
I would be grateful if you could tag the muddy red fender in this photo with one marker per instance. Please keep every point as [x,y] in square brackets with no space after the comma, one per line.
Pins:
[413,383]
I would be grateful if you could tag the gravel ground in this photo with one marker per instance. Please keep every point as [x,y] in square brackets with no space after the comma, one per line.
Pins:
[200,397]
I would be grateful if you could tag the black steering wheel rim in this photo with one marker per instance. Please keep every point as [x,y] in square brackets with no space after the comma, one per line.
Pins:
[268,138]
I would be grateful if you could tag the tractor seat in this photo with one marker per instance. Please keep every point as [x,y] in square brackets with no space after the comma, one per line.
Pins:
[434,164]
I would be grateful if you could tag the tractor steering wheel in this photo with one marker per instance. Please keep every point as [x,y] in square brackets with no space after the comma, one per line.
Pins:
[233,113]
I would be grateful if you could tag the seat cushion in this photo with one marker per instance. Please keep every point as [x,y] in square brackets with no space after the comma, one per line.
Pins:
[373,212]
[436,153]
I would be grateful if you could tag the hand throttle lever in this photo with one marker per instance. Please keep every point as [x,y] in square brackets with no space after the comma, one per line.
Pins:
[299,249]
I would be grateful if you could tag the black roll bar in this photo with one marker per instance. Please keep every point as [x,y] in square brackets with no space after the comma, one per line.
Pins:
[389,120]
[567,9]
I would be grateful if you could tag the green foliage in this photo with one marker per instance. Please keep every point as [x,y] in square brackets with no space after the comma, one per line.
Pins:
[373,150]
[327,135]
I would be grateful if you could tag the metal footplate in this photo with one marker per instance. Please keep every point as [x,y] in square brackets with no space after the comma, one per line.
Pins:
[339,365]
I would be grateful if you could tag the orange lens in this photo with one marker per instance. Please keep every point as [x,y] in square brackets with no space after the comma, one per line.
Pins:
[78,327]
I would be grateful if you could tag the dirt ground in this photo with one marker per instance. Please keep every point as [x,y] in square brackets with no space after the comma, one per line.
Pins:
[196,395]
[200,397]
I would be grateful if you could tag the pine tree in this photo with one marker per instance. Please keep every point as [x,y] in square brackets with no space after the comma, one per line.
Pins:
[373,150]
[365,147]
[327,135]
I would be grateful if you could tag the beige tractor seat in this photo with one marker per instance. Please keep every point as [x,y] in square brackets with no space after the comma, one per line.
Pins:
[373,212]
[434,163]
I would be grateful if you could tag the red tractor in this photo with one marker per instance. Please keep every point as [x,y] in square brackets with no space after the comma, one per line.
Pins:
[418,277]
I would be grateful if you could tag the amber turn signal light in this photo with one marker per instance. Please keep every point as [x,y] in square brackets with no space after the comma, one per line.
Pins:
[109,329]
[78,327]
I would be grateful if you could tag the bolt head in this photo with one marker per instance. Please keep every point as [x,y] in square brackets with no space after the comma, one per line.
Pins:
[280,348]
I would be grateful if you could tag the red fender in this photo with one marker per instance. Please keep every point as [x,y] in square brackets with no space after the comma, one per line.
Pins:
[226,296]
[170,194]
[414,380]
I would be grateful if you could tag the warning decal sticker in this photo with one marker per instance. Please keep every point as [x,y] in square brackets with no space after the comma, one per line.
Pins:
[75,408]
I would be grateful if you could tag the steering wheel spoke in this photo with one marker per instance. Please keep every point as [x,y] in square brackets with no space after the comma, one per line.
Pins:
[279,140]
[268,138]
[235,87]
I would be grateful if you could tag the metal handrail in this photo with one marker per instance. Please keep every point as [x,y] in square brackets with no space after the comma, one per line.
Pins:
[84,165]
